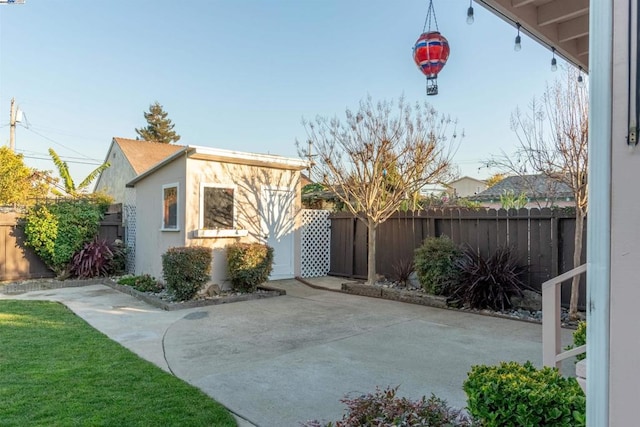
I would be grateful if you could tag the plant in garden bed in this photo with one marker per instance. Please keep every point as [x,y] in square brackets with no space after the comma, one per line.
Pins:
[119,260]
[249,265]
[384,409]
[402,271]
[512,394]
[143,283]
[93,260]
[486,282]
[434,263]
[186,270]
[579,338]
[57,231]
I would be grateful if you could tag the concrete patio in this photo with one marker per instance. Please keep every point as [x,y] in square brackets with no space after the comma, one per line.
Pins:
[283,360]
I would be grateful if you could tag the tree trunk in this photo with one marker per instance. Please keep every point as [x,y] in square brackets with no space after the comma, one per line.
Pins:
[371,256]
[577,255]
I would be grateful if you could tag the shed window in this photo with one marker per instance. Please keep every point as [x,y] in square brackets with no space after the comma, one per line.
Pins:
[217,207]
[170,207]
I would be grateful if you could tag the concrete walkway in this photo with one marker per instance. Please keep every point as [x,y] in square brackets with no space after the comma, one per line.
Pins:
[283,360]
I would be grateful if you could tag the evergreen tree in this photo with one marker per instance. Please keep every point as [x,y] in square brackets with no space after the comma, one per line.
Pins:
[159,127]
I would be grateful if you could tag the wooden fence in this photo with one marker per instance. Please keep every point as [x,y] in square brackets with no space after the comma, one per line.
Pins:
[19,262]
[542,238]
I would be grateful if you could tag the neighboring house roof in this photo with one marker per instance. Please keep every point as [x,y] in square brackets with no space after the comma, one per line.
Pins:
[533,186]
[225,156]
[304,179]
[142,155]
[467,178]
[433,189]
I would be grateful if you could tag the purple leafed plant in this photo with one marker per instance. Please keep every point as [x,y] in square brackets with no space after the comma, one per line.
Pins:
[93,260]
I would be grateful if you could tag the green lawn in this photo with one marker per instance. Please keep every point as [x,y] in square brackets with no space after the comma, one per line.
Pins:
[56,370]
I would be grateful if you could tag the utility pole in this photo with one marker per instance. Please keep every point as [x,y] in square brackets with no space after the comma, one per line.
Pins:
[12,126]
[12,119]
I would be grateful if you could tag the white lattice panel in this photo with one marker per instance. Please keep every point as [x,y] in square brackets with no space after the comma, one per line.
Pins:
[316,242]
[129,213]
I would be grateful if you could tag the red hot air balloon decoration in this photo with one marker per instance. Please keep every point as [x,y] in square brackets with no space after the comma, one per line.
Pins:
[431,52]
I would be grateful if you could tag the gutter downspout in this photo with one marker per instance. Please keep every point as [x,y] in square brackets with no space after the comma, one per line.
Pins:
[599,224]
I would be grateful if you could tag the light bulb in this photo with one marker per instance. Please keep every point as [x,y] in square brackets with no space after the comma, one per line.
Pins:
[518,45]
[580,79]
[554,64]
[470,15]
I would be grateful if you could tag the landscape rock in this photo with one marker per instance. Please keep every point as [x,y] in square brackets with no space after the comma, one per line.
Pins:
[530,301]
[212,290]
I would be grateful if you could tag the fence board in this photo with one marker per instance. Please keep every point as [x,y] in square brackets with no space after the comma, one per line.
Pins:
[20,262]
[543,239]
[341,262]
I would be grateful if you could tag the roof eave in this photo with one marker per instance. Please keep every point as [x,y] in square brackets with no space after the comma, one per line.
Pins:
[227,156]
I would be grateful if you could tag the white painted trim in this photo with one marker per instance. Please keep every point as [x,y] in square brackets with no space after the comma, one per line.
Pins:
[216,154]
[177,187]
[242,157]
[204,185]
[220,233]
[599,224]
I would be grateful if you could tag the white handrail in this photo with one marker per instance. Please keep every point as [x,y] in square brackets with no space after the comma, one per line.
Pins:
[552,354]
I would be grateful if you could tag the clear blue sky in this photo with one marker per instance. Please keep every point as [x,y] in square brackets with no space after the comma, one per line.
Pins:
[241,74]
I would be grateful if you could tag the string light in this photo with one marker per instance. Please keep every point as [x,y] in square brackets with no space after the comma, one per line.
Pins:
[580,79]
[470,18]
[518,45]
[554,63]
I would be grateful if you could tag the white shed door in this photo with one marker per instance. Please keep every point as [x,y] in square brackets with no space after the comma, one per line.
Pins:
[278,221]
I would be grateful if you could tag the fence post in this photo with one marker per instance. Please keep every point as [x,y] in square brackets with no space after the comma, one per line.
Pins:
[550,324]
[555,244]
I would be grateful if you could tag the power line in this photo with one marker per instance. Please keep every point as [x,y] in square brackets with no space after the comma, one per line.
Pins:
[36,153]
[61,145]
[67,161]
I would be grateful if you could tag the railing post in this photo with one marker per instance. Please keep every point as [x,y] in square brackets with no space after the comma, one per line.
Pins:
[551,324]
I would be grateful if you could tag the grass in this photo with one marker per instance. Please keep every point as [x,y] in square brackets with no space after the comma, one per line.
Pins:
[57,370]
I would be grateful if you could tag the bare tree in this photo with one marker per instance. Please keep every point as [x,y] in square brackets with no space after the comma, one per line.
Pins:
[553,139]
[380,156]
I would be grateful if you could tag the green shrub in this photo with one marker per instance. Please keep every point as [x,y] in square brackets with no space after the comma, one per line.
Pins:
[186,270]
[249,265]
[433,263]
[118,264]
[57,231]
[513,394]
[144,283]
[487,282]
[579,338]
[384,409]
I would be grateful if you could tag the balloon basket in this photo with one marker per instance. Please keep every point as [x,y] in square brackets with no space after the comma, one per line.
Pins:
[432,87]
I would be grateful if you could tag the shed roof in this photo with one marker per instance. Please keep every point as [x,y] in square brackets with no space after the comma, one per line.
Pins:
[142,155]
[225,156]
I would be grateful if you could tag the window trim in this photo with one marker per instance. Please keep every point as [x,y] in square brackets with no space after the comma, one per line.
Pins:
[175,185]
[216,231]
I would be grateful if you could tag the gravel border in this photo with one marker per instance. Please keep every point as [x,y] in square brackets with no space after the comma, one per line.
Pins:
[45,284]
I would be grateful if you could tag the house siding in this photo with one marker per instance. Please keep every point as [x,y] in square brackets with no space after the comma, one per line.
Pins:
[248,182]
[112,180]
[151,241]
[465,187]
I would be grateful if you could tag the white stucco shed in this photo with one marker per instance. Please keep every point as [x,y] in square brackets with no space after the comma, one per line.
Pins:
[202,196]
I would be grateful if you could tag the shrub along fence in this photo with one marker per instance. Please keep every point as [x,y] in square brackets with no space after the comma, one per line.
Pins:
[19,262]
[542,238]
